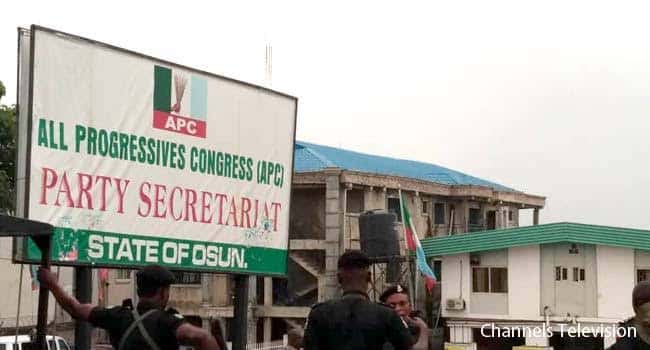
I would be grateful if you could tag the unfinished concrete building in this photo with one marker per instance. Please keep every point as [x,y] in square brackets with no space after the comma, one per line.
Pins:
[331,188]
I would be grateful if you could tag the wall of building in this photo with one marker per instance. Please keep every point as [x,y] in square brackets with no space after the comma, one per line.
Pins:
[568,296]
[615,281]
[457,282]
[307,217]
[10,282]
[641,260]
[489,303]
[524,281]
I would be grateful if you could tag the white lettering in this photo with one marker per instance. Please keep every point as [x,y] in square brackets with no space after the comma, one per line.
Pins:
[170,253]
[95,247]
[198,255]
[151,252]
[111,241]
[125,250]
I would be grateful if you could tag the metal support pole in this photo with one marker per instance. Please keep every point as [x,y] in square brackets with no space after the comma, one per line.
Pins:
[240,324]
[43,296]
[83,287]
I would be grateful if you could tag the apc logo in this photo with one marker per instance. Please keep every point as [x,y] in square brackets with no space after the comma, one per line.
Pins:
[179,109]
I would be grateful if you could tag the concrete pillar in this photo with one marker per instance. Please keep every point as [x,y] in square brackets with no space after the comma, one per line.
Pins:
[268,301]
[206,282]
[333,232]
[461,334]
[542,341]
[463,216]
[609,341]
[252,303]
[536,216]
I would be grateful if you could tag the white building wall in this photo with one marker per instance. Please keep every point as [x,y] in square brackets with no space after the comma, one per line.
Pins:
[615,281]
[524,281]
[10,282]
[456,282]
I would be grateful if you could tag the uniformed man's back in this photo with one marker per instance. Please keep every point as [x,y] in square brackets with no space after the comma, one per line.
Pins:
[354,322]
[160,326]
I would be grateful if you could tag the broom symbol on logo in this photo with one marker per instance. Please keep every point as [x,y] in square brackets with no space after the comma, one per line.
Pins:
[179,87]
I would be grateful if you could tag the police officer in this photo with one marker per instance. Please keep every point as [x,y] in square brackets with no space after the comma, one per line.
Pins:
[639,338]
[147,326]
[353,322]
[397,297]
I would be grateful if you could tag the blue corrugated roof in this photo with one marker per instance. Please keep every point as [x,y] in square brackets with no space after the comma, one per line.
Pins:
[311,157]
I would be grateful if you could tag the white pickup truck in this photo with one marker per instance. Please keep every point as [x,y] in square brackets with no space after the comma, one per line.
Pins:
[53,342]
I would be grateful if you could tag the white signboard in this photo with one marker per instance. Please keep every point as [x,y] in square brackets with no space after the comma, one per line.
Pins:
[138,161]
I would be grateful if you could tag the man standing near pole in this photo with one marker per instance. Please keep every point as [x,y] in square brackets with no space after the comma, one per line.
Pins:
[147,326]
[353,322]
[397,297]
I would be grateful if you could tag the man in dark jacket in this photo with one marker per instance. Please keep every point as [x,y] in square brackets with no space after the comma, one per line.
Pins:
[148,326]
[353,322]
[397,297]
[639,337]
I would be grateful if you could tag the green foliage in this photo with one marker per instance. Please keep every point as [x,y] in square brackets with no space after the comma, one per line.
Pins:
[7,155]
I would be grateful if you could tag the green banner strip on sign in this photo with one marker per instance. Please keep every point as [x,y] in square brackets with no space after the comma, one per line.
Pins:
[125,250]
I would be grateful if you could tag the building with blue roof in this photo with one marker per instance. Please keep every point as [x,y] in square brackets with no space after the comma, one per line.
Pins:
[332,187]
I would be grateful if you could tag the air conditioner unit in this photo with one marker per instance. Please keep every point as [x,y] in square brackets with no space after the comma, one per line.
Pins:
[455,304]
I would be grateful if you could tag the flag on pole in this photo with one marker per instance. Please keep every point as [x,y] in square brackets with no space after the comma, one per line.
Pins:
[413,245]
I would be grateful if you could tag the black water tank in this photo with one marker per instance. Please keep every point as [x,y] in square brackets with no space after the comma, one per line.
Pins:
[378,236]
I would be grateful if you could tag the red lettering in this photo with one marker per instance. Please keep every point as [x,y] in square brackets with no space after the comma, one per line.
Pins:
[232,213]
[276,207]
[85,182]
[171,202]
[45,184]
[221,197]
[64,187]
[245,208]
[144,198]
[190,203]
[205,206]
[120,193]
[104,180]
[159,199]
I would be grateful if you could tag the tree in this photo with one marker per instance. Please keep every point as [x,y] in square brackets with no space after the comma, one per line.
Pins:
[7,155]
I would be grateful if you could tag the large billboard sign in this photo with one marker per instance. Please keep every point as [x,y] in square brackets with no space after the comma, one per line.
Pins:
[139,161]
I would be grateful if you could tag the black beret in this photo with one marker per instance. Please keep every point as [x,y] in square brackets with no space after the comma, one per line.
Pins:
[398,288]
[154,276]
[353,259]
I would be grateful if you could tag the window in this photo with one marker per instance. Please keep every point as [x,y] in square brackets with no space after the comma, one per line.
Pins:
[509,215]
[123,274]
[564,273]
[354,201]
[187,278]
[480,280]
[498,280]
[490,280]
[425,207]
[474,216]
[642,275]
[393,207]
[576,272]
[558,273]
[582,274]
[439,209]
[50,345]
[62,345]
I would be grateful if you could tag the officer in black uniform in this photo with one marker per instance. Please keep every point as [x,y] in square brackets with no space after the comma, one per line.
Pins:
[148,326]
[353,322]
[397,297]
[639,338]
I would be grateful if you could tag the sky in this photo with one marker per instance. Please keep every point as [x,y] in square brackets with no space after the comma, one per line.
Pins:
[551,98]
